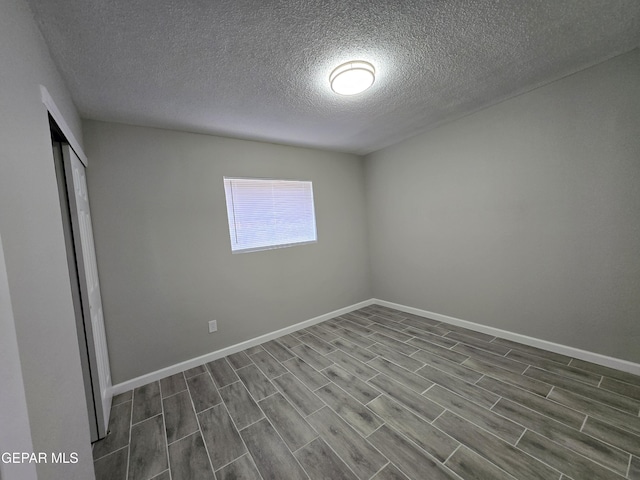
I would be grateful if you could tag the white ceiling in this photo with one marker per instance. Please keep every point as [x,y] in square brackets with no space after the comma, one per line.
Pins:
[259,69]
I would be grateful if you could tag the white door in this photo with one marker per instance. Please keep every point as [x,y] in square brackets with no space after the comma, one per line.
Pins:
[89,285]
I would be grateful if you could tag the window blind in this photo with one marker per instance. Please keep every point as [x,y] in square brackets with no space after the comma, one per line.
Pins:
[265,214]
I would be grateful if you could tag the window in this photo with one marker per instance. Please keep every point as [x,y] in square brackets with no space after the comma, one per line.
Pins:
[265,214]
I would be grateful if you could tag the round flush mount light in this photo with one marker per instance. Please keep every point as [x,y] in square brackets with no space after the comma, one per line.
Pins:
[352,78]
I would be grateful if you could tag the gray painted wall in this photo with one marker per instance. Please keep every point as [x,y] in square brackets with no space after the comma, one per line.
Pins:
[162,241]
[524,216]
[15,434]
[31,228]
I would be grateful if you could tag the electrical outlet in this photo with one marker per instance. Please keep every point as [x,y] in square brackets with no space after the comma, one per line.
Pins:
[213,326]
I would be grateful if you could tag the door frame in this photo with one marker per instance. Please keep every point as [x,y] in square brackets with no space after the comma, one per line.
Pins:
[84,334]
[98,395]
[62,125]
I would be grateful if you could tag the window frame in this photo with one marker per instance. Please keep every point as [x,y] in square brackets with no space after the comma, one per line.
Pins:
[231,214]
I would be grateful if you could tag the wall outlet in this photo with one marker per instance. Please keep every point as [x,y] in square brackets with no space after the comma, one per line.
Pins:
[213,326]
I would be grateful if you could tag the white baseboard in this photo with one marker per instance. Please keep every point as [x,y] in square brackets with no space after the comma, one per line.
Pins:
[592,357]
[597,358]
[194,362]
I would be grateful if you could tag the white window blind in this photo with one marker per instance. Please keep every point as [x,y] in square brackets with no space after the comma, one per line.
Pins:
[265,214]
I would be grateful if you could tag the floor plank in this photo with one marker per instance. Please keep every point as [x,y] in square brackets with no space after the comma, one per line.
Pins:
[268,365]
[241,469]
[118,432]
[556,357]
[555,367]
[146,402]
[321,463]
[471,466]
[526,383]
[148,454]
[305,373]
[447,366]
[195,371]
[180,419]
[349,409]
[271,456]
[188,459]
[354,349]
[222,373]
[398,358]
[317,344]
[613,435]
[173,384]
[510,459]
[277,350]
[488,420]
[352,365]
[357,336]
[239,360]
[606,371]
[425,327]
[420,432]
[298,394]
[634,469]
[407,397]
[433,349]
[563,459]
[568,437]
[390,472]
[243,409]
[112,466]
[390,332]
[312,357]
[476,342]
[203,392]
[355,387]
[258,385]
[355,451]
[622,388]
[411,460]
[615,400]
[122,398]
[397,345]
[596,409]
[293,429]
[553,410]
[289,341]
[429,336]
[503,362]
[465,389]
[322,333]
[409,379]
[220,436]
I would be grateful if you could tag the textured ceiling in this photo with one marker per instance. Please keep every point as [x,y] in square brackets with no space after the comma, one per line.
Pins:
[259,69]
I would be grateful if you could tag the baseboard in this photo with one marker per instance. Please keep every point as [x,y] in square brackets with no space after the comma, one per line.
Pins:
[597,358]
[592,357]
[194,362]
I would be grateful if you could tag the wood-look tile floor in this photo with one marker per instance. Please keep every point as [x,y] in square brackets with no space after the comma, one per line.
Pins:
[379,394]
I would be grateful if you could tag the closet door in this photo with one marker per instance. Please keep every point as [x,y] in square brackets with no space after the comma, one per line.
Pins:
[89,286]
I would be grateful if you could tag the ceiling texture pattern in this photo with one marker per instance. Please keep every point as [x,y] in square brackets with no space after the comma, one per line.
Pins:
[259,69]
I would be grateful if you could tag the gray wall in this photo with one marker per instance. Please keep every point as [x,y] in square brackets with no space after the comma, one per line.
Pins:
[162,241]
[524,216]
[15,434]
[31,229]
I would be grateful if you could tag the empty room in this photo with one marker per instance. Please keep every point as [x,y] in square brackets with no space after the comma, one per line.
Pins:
[363,240]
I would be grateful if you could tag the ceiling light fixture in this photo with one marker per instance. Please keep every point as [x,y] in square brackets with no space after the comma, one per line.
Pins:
[352,78]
